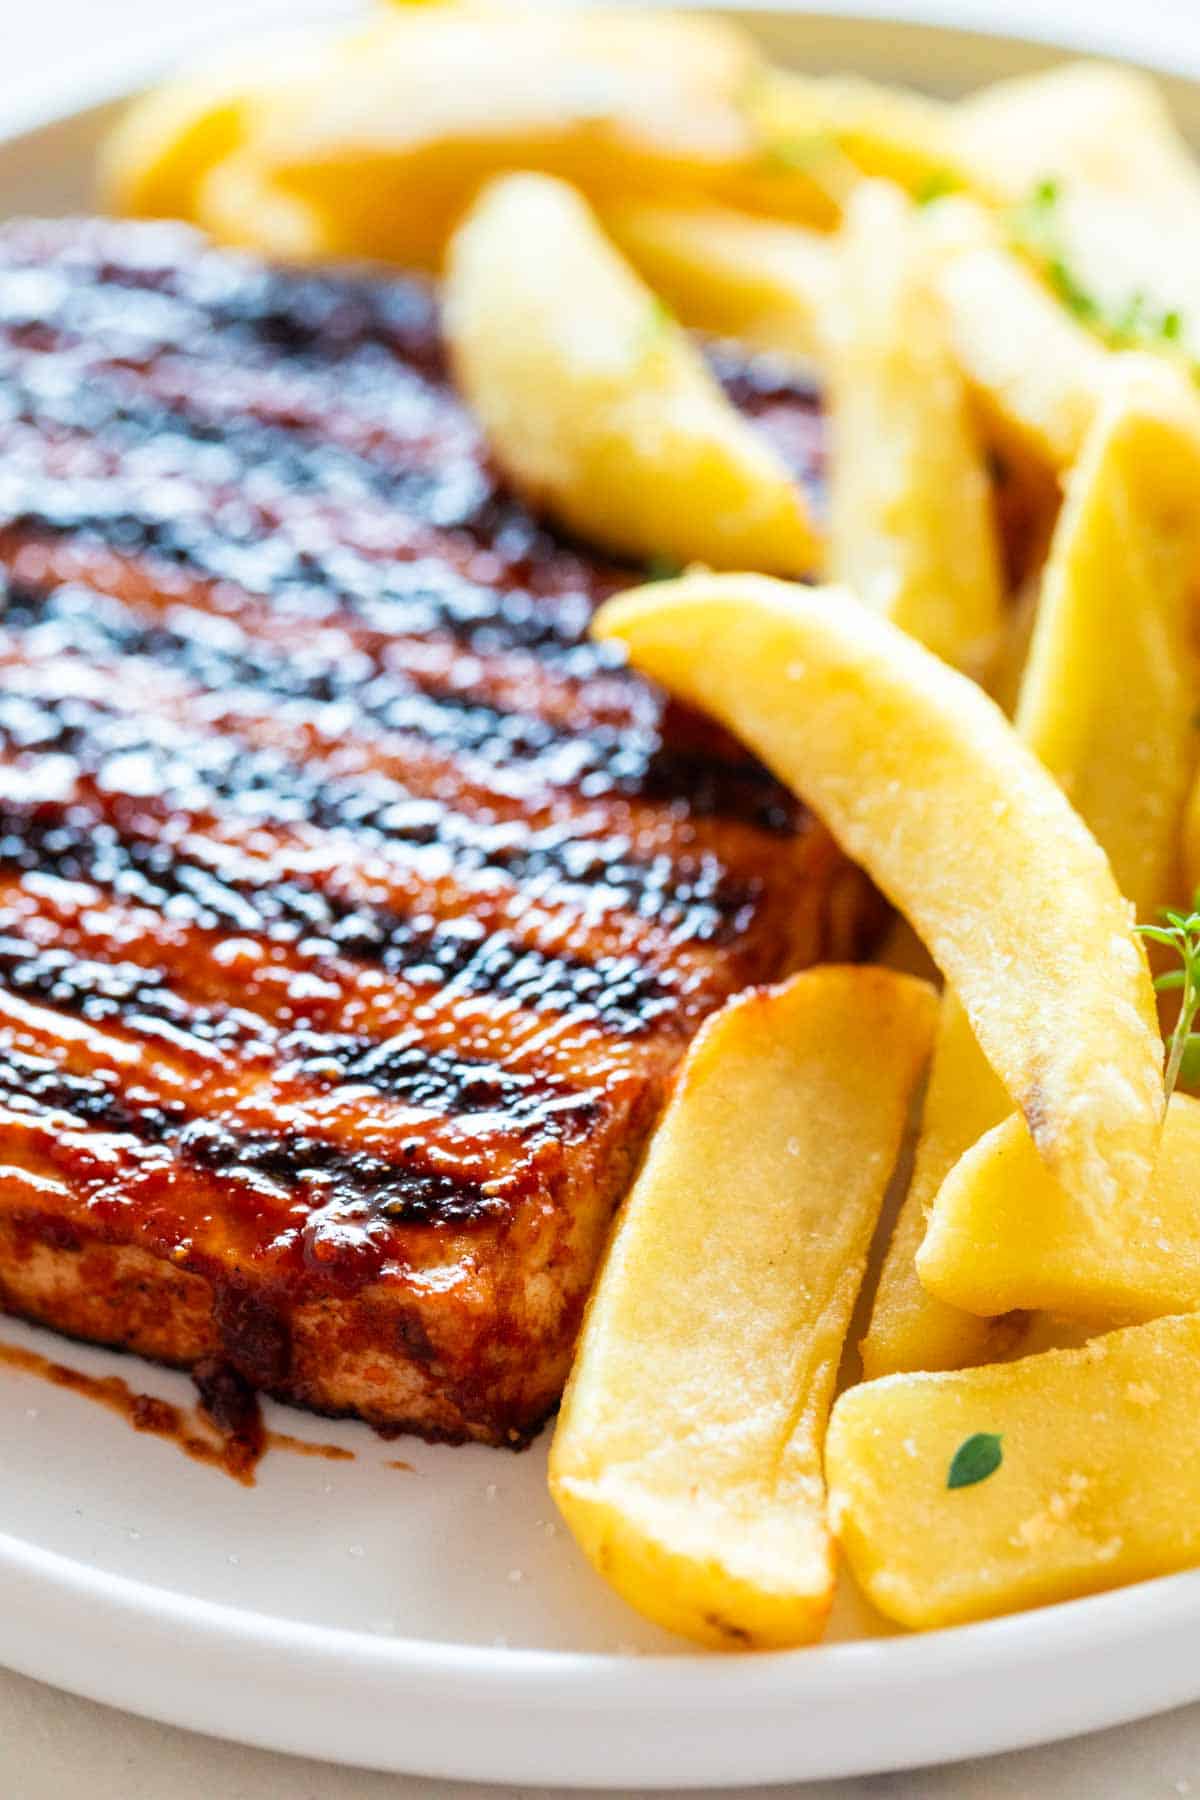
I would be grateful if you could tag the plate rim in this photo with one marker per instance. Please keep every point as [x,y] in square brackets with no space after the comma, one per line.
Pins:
[1021,1652]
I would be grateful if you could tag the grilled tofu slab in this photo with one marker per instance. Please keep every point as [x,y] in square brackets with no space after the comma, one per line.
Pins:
[354,908]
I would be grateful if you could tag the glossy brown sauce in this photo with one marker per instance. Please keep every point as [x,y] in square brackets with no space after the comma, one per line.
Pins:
[283,1440]
[364,887]
[355,906]
[234,1450]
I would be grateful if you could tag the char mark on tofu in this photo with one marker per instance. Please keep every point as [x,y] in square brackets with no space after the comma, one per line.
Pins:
[355,909]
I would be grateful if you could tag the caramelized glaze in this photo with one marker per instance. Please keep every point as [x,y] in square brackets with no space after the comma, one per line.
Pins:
[351,900]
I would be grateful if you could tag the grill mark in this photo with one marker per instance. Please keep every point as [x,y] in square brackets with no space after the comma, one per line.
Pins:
[689,894]
[357,1183]
[339,1185]
[234,476]
[407,1070]
[624,756]
[174,292]
[333,659]
[403,1187]
[38,1085]
[474,570]
[277,988]
[404,596]
[619,993]
[140,999]
[396,703]
[448,491]
[350,1195]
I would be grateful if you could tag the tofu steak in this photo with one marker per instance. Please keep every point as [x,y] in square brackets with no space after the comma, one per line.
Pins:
[354,908]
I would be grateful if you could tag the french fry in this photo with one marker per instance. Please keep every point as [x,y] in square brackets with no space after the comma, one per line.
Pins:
[1036,373]
[153,162]
[596,404]
[729,272]
[1107,703]
[237,204]
[1003,1233]
[1110,687]
[1191,840]
[912,527]
[925,784]
[1120,234]
[394,144]
[1094,123]
[687,1458]
[910,1328]
[383,135]
[1091,1491]
[888,132]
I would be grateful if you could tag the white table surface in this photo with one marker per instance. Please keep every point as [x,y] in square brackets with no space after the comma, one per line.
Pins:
[54,1747]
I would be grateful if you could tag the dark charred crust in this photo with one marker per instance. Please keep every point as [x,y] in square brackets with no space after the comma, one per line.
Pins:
[354,1187]
[255,1334]
[633,752]
[355,908]
[620,992]
[230,1401]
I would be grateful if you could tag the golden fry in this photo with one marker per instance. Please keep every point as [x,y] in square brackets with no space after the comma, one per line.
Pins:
[728,272]
[910,1328]
[1110,689]
[687,1459]
[596,404]
[1094,1487]
[912,521]
[1003,1233]
[925,784]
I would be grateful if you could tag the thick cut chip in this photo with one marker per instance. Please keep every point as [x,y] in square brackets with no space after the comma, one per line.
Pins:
[1109,693]
[722,271]
[1094,123]
[626,103]
[892,133]
[1095,1486]
[1191,840]
[1036,373]
[910,1328]
[923,781]
[153,163]
[687,1459]
[595,403]
[913,527]
[1108,703]
[1118,220]
[237,204]
[1004,1233]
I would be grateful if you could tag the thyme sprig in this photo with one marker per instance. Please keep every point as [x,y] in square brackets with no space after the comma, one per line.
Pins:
[1180,932]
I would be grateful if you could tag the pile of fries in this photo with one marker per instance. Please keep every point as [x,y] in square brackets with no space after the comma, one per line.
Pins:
[1001,299]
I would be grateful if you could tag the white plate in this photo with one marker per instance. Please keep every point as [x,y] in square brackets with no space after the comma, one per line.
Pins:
[438,1621]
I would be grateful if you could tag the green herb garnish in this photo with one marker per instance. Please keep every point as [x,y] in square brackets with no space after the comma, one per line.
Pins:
[784,155]
[936,185]
[816,154]
[975,1459]
[1037,229]
[663,568]
[1180,932]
